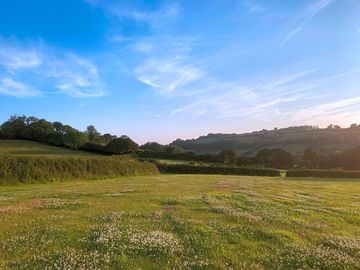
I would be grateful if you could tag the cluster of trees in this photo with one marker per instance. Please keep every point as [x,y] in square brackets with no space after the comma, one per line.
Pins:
[269,158]
[276,158]
[349,159]
[59,134]
[41,130]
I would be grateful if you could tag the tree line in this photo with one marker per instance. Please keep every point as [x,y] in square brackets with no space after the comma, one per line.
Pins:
[277,158]
[59,134]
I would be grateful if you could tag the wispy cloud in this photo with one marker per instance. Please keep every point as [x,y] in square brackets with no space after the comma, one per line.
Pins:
[13,88]
[342,74]
[143,46]
[255,7]
[340,110]
[293,98]
[241,99]
[38,64]
[13,58]
[310,12]
[77,77]
[167,75]
[156,18]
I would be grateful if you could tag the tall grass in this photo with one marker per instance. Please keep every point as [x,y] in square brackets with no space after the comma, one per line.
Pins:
[15,169]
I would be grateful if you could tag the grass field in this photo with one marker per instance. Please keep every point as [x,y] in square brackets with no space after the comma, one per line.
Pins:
[174,162]
[30,148]
[181,222]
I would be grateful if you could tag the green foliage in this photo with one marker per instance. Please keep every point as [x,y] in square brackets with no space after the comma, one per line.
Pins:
[32,128]
[93,134]
[293,139]
[14,128]
[58,134]
[106,138]
[313,158]
[323,174]
[93,147]
[15,169]
[275,158]
[153,146]
[121,145]
[189,169]
[350,159]
[227,156]
[172,150]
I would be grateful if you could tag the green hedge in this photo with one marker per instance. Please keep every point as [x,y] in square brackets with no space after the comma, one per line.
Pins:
[323,174]
[189,169]
[41,169]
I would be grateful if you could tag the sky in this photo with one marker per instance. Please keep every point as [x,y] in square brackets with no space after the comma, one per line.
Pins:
[162,70]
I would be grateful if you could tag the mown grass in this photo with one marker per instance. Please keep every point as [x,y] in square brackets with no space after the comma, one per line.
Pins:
[181,222]
[30,148]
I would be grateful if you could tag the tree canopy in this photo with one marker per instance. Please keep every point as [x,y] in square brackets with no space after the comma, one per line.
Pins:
[122,145]
[54,133]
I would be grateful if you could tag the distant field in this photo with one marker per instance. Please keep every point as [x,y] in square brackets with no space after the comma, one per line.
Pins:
[181,222]
[171,161]
[26,148]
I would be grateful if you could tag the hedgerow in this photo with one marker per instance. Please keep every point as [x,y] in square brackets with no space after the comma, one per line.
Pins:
[323,174]
[14,169]
[189,169]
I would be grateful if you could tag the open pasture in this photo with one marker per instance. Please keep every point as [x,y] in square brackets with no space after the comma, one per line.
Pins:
[181,222]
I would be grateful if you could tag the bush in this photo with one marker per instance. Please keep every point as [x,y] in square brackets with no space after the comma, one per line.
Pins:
[121,145]
[323,174]
[40,169]
[189,169]
[93,147]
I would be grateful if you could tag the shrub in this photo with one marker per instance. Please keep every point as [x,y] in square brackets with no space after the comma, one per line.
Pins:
[323,174]
[92,147]
[121,145]
[189,169]
[40,169]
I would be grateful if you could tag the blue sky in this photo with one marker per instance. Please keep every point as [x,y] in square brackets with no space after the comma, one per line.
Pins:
[161,70]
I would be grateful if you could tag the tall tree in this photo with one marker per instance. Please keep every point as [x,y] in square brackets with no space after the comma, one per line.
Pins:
[312,158]
[350,159]
[275,158]
[227,156]
[93,134]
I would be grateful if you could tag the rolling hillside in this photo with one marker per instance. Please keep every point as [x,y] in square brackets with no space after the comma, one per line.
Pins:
[30,148]
[293,139]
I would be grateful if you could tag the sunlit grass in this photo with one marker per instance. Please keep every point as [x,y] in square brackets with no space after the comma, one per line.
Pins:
[181,222]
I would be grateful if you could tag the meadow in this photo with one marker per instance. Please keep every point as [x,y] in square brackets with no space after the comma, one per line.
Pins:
[182,222]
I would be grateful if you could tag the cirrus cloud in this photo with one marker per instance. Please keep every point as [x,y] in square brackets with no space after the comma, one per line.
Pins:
[167,75]
[51,68]
[14,88]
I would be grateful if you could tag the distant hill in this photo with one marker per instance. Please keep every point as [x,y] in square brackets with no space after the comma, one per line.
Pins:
[30,148]
[292,139]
